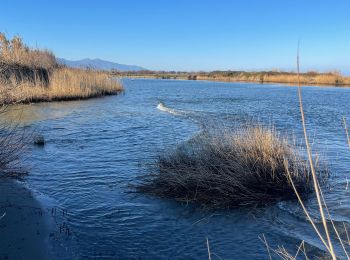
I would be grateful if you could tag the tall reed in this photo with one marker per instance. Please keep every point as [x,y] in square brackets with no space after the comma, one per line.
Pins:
[33,75]
[14,51]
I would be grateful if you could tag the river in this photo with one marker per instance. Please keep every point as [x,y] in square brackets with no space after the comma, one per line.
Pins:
[96,148]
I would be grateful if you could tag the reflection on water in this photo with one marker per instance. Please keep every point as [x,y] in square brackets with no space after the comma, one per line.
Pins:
[32,113]
[96,148]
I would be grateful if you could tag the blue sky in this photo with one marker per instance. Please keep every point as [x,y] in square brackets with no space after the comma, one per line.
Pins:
[188,35]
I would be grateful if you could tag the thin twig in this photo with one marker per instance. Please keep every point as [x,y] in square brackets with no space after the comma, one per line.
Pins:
[333,225]
[299,248]
[346,130]
[304,209]
[313,172]
[209,254]
[347,235]
[267,246]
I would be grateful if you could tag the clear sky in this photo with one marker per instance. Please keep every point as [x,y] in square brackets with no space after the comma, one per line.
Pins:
[188,34]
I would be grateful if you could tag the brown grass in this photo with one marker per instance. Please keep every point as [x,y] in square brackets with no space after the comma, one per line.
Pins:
[231,168]
[33,75]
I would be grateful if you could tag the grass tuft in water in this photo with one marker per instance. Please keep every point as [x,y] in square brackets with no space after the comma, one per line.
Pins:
[39,140]
[229,168]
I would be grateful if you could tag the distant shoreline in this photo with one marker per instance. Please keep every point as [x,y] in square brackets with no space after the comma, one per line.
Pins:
[321,79]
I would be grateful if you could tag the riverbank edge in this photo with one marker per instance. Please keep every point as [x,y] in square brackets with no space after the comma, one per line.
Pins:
[62,99]
[24,225]
[294,84]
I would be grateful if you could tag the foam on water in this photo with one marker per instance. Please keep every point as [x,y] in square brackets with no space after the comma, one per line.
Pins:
[163,108]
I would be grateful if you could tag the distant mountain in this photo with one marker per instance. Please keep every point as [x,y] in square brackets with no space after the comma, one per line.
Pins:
[98,64]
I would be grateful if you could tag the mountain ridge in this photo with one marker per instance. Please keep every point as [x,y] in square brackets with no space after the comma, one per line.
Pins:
[98,64]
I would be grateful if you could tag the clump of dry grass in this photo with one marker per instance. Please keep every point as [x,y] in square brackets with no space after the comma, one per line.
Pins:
[231,168]
[33,75]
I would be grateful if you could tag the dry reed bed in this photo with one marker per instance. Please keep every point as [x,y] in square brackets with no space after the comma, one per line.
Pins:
[232,168]
[33,75]
[63,84]
[14,51]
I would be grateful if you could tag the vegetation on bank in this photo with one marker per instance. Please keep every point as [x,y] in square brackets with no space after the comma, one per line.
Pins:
[308,78]
[33,75]
[12,146]
[229,168]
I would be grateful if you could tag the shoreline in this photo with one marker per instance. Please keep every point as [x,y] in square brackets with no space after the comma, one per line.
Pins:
[63,99]
[25,226]
[31,224]
[237,81]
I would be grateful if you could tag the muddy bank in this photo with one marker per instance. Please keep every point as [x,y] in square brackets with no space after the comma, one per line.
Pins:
[24,227]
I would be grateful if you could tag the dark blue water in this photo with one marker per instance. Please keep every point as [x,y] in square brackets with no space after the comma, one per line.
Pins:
[96,148]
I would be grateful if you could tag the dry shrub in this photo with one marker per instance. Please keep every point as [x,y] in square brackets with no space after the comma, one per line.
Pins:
[12,146]
[230,168]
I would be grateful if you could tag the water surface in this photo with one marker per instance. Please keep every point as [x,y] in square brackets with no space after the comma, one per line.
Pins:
[95,148]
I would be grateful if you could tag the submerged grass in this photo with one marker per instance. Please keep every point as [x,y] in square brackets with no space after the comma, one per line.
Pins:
[229,168]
